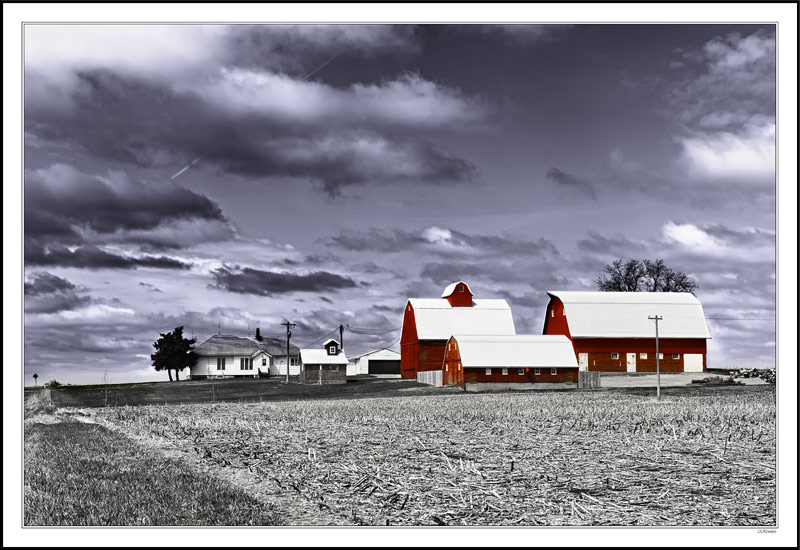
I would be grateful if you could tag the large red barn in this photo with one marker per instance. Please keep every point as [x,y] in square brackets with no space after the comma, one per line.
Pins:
[429,322]
[612,332]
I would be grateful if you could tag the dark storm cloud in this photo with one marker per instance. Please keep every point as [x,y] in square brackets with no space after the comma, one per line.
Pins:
[123,119]
[48,293]
[61,196]
[570,181]
[93,257]
[746,237]
[149,287]
[442,241]
[264,283]
[616,245]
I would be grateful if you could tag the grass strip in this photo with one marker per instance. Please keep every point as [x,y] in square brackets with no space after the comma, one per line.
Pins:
[86,475]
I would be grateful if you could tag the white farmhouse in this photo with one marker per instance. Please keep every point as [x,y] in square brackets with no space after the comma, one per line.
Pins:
[225,356]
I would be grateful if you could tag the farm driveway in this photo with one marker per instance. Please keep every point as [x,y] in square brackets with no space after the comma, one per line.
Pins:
[613,380]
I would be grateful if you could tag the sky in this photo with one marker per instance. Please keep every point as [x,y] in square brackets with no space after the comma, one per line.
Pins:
[228,177]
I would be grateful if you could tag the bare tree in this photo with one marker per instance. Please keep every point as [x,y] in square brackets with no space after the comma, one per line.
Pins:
[643,276]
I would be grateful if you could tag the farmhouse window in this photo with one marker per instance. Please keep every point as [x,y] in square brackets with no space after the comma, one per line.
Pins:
[642,356]
[263,361]
[553,372]
[488,371]
[537,372]
[505,372]
[244,363]
[676,355]
[615,355]
[520,371]
[293,361]
[220,363]
[332,350]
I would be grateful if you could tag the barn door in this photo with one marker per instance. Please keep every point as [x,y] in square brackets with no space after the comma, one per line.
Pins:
[692,362]
[631,362]
[583,361]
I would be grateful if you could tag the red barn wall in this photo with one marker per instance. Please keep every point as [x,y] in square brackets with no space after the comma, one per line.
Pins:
[473,375]
[554,321]
[409,345]
[599,352]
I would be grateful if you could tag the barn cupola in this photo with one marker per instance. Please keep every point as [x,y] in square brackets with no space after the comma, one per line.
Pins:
[458,294]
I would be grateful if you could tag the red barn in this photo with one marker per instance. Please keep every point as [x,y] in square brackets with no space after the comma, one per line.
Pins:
[611,332]
[518,362]
[429,322]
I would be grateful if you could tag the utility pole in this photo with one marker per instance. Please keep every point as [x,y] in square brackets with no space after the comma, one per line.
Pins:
[656,318]
[288,326]
[341,337]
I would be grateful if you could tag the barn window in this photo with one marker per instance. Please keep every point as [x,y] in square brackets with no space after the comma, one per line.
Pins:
[615,355]
[455,345]
[461,288]
[676,355]
[488,371]
[660,355]
[553,372]
[409,307]
[459,366]
[332,350]
[446,368]
[552,313]
[642,356]
[520,371]
[505,372]
[537,372]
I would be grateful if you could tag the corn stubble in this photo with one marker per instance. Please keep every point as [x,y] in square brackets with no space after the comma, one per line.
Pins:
[503,459]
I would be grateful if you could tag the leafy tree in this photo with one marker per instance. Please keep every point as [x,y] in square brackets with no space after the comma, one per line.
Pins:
[173,352]
[643,276]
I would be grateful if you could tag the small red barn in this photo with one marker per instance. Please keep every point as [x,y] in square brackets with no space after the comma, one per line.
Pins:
[610,331]
[429,322]
[521,362]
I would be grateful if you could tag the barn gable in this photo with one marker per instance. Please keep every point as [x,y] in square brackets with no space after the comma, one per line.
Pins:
[436,319]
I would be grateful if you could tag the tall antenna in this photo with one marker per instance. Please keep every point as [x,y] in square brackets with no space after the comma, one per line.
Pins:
[219,328]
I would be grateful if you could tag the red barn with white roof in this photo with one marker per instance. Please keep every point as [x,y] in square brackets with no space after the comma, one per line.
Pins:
[428,323]
[610,331]
[509,362]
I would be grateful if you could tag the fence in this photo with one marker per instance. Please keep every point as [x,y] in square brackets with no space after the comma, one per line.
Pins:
[430,377]
[589,379]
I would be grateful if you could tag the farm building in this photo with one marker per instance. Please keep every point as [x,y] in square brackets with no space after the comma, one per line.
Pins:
[610,331]
[225,356]
[428,323]
[384,362]
[478,363]
[327,365]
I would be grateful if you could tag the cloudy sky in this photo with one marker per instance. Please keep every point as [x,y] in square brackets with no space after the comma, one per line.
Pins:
[238,176]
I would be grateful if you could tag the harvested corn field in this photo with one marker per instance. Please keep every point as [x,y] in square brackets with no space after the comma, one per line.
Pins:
[503,459]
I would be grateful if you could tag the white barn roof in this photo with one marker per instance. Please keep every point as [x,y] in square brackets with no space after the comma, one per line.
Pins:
[625,314]
[382,354]
[321,357]
[519,351]
[436,319]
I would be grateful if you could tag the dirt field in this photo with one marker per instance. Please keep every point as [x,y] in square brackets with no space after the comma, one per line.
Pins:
[700,456]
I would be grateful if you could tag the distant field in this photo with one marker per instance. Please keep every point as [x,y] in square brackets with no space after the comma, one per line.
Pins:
[226,390]
[699,457]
